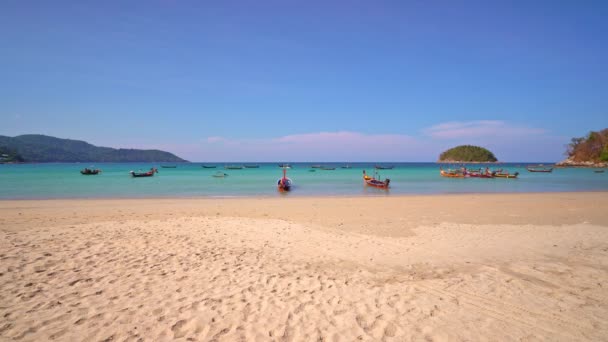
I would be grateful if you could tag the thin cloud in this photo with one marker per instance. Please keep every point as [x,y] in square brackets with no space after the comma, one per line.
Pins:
[319,146]
[214,139]
[478,129]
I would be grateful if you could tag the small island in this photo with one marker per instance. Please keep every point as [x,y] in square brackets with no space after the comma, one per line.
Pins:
[467,154]
[588,151]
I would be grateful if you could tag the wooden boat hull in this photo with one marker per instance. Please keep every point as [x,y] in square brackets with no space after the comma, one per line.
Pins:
[506,175]
[144,174]
[373,182]
[147,174]
[479,175]
[284,184]
[377,184]
[90,172]
[209,166]
[451,174]
[540,170]
[378,167]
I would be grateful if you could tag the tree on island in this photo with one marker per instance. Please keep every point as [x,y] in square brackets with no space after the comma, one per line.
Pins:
[467,153]
[8,155]
[592,148]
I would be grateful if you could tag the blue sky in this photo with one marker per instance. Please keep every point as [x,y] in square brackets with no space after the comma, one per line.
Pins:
[307,80]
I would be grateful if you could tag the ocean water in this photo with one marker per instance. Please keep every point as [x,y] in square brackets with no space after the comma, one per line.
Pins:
[63,180]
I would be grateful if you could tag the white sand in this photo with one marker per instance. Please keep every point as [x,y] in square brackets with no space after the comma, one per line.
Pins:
[395,268]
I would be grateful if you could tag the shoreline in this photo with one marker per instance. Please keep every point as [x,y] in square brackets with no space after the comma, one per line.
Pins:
[388,215]
[384,194]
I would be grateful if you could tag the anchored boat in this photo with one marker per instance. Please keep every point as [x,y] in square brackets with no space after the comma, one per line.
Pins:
[452,173]
[284,184]
[144,174]
[88,171]
[372,181]
[539,168]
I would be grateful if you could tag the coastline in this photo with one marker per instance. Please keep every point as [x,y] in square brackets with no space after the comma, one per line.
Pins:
[454,266]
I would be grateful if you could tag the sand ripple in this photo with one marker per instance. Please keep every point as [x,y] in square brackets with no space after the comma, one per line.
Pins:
[222,278]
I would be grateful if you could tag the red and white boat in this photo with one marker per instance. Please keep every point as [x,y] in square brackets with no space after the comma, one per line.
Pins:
[284,184]
[372,181]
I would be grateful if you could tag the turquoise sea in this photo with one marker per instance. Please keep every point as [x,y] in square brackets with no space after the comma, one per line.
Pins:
[63,180]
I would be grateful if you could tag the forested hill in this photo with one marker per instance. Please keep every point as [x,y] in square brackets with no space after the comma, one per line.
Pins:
[467,153]
[42,148]
[589,151]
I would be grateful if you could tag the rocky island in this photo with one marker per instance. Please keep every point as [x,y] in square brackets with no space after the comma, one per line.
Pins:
[588,151]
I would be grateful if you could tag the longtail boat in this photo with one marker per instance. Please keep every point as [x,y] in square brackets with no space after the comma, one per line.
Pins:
[506,175]
[144,174]
[209,166]
[233,167]
[251,166]
[315,166]
[372,181]
[599,171]
[88,172]
[285,166]
[219,174]
[380,167]
[284,184]
[478,174]
[451,173]
[539,168]
[168,166]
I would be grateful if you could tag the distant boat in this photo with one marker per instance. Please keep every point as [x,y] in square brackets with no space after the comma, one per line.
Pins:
[209,166]
[144,174]
[315,166]
[233,167]
[168,166]
[219,174]
[599,171]
[372,181]
[380,167]
[539,168]
[506,175]
[251,166]
[285,166]
[284,184]
[327,168]
[451,173]
[479,174]
[88,172]
[346,167]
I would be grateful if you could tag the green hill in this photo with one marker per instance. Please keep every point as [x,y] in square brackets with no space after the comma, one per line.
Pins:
[42,148]
[467,153]
[588,151]
[593,147]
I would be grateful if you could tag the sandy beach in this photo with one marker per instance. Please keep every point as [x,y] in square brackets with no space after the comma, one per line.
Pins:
[492,267]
